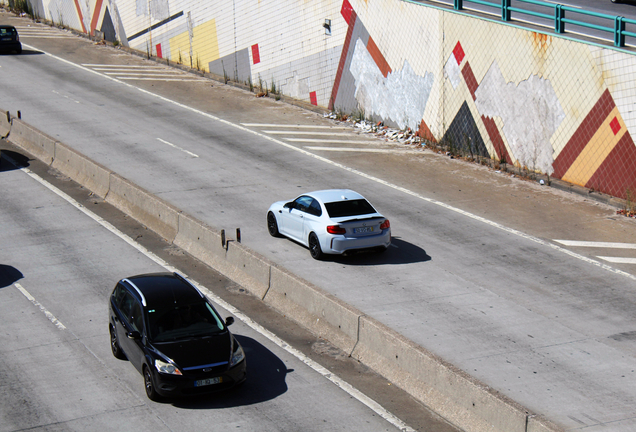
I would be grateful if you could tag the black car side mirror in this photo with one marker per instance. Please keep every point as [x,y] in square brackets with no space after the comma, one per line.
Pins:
[229,321]
[289,205]
[135,335]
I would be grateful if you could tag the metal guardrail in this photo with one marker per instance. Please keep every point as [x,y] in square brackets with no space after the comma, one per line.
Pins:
[560,18]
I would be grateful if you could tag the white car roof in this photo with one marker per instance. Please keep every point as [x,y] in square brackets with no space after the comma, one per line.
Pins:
[332,195]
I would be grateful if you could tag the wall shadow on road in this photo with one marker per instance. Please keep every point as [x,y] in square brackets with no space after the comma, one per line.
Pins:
[266,375]
[24,52]
[400,252]
[9,275]
[10,160]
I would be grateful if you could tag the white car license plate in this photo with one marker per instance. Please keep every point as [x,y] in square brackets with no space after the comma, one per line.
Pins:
[362,230]
[209,381]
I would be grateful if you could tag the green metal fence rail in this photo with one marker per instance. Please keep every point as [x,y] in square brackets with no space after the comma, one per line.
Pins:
[561,15]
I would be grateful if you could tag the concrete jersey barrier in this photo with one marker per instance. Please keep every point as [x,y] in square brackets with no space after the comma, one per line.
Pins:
[452,393]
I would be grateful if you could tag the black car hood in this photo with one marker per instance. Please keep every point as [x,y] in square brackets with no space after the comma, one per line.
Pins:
[198,351]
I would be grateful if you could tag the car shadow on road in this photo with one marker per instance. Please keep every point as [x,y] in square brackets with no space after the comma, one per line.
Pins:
[9,275]
[10,160]
[400,252]
[24,52]
[266,375]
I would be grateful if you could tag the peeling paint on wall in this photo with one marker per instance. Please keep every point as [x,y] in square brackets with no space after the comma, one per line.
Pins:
[400,97]
[530,111]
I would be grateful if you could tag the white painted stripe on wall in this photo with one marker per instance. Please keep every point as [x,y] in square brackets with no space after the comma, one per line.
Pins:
[575,243]
[48,314]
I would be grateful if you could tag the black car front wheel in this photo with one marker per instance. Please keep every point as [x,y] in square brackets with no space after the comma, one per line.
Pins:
[114,345]
[151,392]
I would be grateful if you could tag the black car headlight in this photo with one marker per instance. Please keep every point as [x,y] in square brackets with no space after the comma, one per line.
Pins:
[237,356]
[167,368]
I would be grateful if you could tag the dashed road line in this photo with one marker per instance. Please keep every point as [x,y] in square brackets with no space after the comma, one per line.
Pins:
[48,314]
[618,260]
[307,133]
[330,141]
[178,148]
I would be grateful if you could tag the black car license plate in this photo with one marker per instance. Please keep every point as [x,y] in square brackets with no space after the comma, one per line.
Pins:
[208,381]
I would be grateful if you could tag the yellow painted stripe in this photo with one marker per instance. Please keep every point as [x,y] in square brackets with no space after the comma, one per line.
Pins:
[596,151]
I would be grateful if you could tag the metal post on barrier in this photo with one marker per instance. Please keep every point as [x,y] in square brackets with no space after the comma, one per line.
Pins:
[505,10]
[20,115]
[223,237]
[238,235]
[458,4]
[559,14]
[619,28]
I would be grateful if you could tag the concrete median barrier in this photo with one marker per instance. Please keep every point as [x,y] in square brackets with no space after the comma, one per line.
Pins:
[144,207]
[240,264]
[5,123]
[81,169]
[32,141]
[322,313]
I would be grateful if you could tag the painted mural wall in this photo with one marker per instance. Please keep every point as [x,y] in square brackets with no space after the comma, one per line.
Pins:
[557,106]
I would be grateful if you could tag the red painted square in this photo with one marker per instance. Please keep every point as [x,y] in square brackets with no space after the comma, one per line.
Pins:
[347,12]
[256,56]
[615,125]
[159,53]
[313,99]
[458,52]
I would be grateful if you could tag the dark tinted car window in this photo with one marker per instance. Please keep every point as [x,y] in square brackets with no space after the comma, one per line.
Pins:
[349,208]
[5,32]
[302,203]
[314,208]
[170,322]
[126,305]
[136,318]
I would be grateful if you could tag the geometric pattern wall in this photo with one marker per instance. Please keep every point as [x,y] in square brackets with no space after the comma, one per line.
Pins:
[553,105]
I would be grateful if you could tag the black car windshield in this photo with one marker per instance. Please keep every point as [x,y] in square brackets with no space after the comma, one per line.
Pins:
[349,208]
[175,322]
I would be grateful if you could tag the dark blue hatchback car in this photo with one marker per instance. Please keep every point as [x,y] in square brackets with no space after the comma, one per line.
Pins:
[174,336]
[9,39]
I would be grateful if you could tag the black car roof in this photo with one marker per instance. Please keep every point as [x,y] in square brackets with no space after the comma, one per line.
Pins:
[5,26]
[164,288]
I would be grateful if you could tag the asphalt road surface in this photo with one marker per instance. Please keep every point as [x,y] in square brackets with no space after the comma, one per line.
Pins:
[62,253]
[529,289]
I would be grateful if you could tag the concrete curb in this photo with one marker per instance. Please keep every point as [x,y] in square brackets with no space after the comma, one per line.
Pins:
[456,396]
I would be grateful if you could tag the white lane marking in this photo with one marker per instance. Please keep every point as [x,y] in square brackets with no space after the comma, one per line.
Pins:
[67,97]
[618,260]
[326,373]
[121,66]
[150,74]
[178,148]
[307,133]
[163,79]
[363,150]
[321,140]
[610,245]
[48,314]
[357,172]
[298,126]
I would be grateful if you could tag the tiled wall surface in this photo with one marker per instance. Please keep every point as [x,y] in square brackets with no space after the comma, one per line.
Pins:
[553,105]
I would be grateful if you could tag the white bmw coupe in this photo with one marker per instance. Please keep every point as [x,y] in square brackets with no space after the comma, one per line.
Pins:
[335,221]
